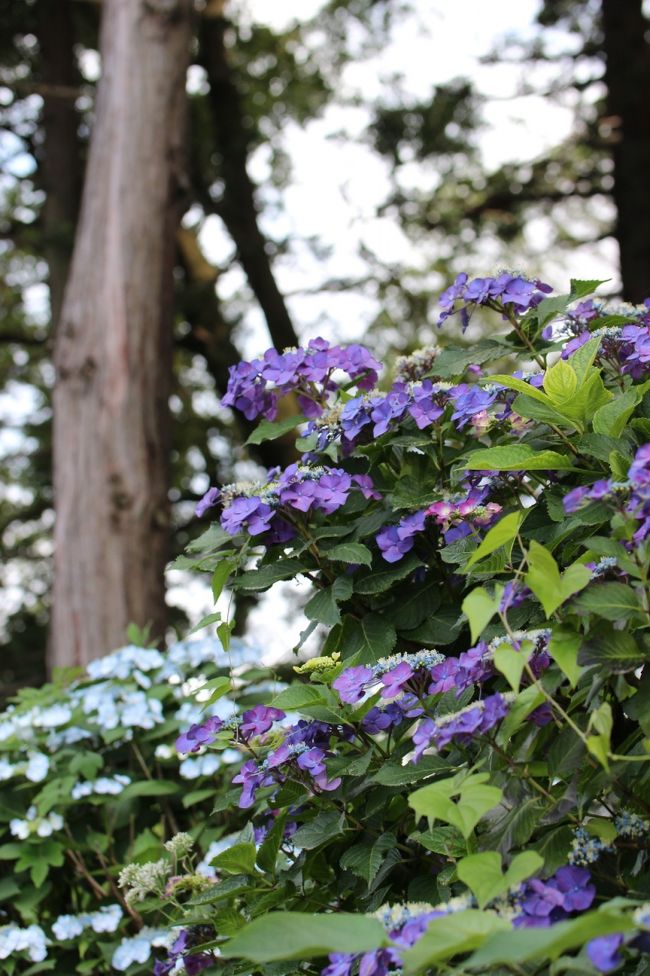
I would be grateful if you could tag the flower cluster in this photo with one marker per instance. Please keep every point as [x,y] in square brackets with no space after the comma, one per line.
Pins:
[456,518]
[509,292]
[254,388]
[33,824]
[105,919]
[631,496]
[302,752]
[463,725]
[265,509]
[31,940]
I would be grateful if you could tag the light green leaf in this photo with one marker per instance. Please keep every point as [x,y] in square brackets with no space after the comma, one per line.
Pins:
[479,607]
[544,579]
[518,946]
[504,532]
[451,935]
[563,648]
[297,935]
[218,687]
[513,383]
[476,797]
[525,406]
[511,662]
[269,430]
[560,382]
[483,876]
[516,457]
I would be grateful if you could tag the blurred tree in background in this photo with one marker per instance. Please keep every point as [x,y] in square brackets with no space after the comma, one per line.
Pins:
[245,84]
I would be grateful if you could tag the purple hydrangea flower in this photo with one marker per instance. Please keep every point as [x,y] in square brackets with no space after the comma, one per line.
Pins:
[468,401]
[603,952]
[258,720]
[250,513]
[395,679]
[251,779]
[209,500]
[639,473]
[351,683]
[199,735]
[395,541]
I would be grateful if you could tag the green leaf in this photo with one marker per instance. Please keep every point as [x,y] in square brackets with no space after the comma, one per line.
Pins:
[544,579]
[350,552]
[483,876]
[267,855]
[297,935]
[299,696]
[323,607]
[525,703]
[613,417]
[209,541]
[211,618]
[516,457]
[511,663]
[583,358]
[150,787]
[446,937]
[366,858]
[238,859]
[613,601]
[383,579]
[371,637]
[325,826]
[560,382]
[525,406]
[269,430]
[394,774]
[582,288]
[266,576]
[517,946]
[504,532]
[521,386]
[414,602]
[479,607]
[453,360]
[218,687]
[476,798]
[220,576]
[563,648]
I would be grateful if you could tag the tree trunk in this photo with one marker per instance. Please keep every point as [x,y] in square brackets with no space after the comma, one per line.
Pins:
[114,342]
[627,76]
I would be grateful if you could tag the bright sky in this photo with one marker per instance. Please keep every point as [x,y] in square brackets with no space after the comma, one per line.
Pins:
[337,184]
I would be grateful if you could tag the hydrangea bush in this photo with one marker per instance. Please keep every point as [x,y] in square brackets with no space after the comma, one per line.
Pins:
[459,782]
[89,782]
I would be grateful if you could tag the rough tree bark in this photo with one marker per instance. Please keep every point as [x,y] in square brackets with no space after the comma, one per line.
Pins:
[114,341]
[627,76]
